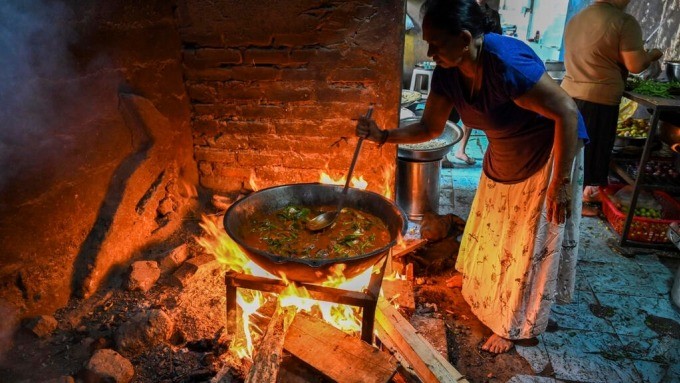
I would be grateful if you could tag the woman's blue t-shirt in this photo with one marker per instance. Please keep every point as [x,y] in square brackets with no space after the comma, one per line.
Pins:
[520,140]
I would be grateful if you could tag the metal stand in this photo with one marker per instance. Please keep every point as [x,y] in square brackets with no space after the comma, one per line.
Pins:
[658,106]
[367,300]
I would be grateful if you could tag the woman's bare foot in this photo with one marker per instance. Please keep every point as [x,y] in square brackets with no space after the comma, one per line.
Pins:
[497,344]
[456,281]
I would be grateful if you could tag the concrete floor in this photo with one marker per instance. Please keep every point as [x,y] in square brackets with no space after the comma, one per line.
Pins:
[622,326]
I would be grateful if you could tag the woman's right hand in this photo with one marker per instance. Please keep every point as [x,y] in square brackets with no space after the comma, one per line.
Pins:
[368,129]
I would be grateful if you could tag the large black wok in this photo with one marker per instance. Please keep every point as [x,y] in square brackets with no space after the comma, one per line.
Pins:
[312,270]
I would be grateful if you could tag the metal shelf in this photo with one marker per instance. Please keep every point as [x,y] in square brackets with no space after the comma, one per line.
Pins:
[627,169]
[641,180]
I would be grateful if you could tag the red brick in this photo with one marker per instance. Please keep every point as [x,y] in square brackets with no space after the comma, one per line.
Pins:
[205,168]
[250,158]
[359,75]
[232,170]
[210,57]
[221,184]
[293,144]
[200,92]
[260,56]
[255,73]
[346,94]
[214,155]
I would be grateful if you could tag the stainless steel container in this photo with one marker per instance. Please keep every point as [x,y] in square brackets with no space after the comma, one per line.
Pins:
[418,187]
[673,70]
[419,168]
[555,70]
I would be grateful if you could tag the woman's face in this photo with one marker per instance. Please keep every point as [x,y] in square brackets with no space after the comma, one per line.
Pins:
[445,49]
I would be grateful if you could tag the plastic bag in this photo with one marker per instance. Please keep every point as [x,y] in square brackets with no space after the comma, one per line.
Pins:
[627,108]
[646,200]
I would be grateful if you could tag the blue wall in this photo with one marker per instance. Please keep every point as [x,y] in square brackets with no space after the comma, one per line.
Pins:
[575,6]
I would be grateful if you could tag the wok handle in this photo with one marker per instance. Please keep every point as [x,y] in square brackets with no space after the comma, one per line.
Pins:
[351,166]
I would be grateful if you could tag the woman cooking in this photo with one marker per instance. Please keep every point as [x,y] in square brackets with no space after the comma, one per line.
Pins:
[518,252]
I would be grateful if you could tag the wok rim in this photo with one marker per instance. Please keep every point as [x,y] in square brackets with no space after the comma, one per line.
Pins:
[313,263]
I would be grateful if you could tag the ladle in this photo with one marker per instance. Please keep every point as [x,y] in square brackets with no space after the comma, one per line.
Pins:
[326,219]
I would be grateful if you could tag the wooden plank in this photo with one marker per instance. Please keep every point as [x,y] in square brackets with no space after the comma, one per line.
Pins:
[318,292]
[269,355]
[399,335]
[407,246]
[433,330]
[341,357]
[400,292]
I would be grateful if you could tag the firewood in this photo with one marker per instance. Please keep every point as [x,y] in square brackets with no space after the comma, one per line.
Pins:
[398,335]
[406,247]
[435,227]
[339,356]
[269,355]
[400,292]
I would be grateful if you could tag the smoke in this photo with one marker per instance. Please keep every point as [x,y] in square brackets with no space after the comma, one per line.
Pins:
[34,40]
[8,326]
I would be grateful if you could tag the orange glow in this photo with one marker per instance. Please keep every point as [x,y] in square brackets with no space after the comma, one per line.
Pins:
[226,251]
[252,182]
[358,183]
[388,174]
[189,190]
[295,296]
[344,317]
[394,277]
[249,301]
[400,245]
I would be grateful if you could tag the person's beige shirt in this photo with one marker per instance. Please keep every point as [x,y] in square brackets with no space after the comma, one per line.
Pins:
[593,39]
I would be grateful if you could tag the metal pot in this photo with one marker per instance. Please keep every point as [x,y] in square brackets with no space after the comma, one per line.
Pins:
[673,70]
[450,136]
[312,270]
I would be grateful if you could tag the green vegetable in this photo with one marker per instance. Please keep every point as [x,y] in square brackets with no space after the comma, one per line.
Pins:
[654,88]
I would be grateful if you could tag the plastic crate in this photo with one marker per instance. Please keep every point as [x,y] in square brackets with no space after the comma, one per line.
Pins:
[642,229]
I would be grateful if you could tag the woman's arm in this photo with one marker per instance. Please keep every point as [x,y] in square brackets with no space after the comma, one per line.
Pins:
[431,125]
[548,99]
[639,60]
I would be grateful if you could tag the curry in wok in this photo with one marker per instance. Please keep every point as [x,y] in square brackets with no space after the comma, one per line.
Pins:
[283,232]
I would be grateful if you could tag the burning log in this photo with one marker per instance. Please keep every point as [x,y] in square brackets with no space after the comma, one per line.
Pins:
[269,355]
[398,335]
[337,355]
[406,247]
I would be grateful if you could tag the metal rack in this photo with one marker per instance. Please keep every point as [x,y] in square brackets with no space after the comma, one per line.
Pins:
[367,300]
[657,106]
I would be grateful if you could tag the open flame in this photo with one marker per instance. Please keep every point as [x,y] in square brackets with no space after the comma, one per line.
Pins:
[361,183]
[387,187]
[252,182]
[358,183]
[344,317]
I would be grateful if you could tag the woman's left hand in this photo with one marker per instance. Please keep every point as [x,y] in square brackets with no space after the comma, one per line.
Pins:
[558,200]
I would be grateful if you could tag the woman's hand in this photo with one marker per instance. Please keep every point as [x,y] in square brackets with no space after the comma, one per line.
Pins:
[368,129]
[558,200]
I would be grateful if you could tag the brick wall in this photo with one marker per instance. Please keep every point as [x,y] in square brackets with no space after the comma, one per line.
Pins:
[275,86]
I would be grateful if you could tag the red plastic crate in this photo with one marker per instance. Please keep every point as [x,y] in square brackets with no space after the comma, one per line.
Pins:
[642,229]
